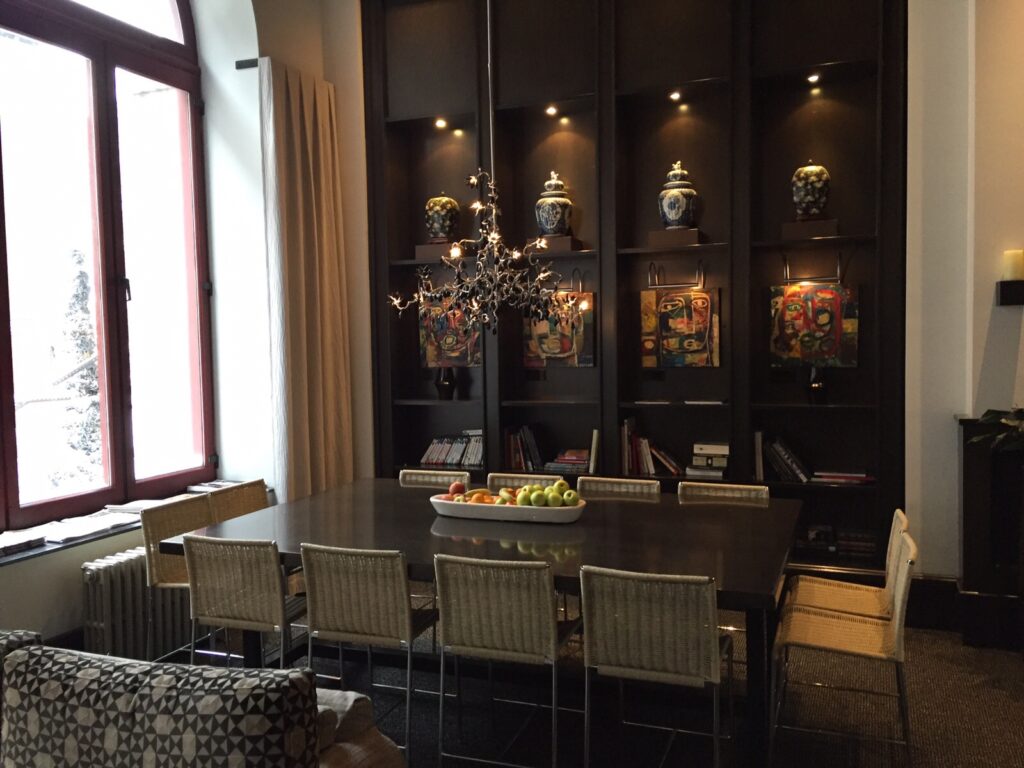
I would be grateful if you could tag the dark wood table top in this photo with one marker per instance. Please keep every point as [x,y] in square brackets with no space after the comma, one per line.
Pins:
[743,547]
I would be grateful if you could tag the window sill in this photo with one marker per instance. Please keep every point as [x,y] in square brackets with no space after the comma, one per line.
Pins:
[50,548]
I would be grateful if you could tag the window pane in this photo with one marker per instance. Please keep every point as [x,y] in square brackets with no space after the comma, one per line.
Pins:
[159,17]
[60,392]
[160,260]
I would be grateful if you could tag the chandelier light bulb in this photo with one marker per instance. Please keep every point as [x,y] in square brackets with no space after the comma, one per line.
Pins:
[440,123]
[675,95]
[552,110]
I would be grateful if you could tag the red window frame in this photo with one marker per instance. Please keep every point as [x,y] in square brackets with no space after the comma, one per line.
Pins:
[110,44]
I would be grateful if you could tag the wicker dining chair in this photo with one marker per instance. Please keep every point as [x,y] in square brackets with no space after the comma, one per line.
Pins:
[237,500]
[590,487]
[431,478]
[498,480]
[860,599]
[362,596]
[166,571]
[657,629]
[237,584]
[498,610]
[850,635]
[727,493]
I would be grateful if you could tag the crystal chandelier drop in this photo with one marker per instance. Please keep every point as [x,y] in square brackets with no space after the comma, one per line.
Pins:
[488,275]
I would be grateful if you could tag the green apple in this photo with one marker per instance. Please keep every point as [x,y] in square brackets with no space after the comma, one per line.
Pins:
[538,498]
[523,499]
[508,495]
[570,498]
[459,497]
[554,498]
[561,486]
[534,488]
[500,500]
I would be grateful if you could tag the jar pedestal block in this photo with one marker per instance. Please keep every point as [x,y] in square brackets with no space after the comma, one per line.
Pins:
[673,238]
[801,230]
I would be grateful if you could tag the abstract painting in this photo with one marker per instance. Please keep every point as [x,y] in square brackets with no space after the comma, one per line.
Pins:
[563,339]
[679,327]
[446,338]
[814,324]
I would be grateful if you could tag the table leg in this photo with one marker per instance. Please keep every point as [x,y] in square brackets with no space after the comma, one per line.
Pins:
[252,649]
[759,634]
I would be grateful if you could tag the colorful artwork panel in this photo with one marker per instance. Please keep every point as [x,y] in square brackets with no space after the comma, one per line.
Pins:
[446,338]
[814,324]
[679,328]
[563,339]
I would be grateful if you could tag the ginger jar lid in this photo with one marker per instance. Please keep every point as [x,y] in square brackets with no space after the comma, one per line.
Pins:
[678,177]
[554,187]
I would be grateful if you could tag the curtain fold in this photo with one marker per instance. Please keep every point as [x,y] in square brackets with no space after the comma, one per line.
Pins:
[309,345]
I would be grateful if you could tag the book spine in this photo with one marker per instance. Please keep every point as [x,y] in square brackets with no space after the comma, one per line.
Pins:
[798,467]
[594,438]
[780,466]
[759,456]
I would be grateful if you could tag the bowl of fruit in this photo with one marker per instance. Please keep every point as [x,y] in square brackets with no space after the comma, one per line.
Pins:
[555,503]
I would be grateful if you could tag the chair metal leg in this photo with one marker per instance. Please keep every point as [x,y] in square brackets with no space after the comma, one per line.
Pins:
[283,651]
[901,684]
[490,692]
[716,725]
[587,674]
[192,645]
[774,704]
[440,715]
[369,665]
[730,693]
[458,696]
[408,703]
[554,715]
[150,611]
[341,666]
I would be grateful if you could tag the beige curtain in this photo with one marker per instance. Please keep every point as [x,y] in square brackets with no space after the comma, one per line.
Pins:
[309,345]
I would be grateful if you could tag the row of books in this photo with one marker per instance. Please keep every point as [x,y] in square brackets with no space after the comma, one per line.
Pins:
[788,466]
[639,454]
[523,454]
[465,450]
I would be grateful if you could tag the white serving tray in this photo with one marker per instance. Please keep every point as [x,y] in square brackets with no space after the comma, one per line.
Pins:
[508,512]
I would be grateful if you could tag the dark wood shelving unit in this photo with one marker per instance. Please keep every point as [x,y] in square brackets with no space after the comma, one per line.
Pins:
[745,118]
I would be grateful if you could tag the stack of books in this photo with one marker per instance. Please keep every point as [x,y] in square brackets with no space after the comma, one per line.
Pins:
[575,461]
[639,454]
[709,462]
[465,450]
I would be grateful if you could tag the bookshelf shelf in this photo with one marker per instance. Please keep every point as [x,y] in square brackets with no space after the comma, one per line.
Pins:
[681,249]
[784,485]
[813,406]
[834,241]
[549,402]
[669,404]
[423,402]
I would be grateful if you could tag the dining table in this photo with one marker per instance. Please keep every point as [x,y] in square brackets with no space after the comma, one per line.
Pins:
[743,546]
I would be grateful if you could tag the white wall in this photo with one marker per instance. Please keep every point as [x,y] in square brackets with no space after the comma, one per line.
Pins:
[996,353]
[939,205]
[226,32]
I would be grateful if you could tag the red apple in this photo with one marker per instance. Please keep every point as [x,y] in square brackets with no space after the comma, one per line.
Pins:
[457,487]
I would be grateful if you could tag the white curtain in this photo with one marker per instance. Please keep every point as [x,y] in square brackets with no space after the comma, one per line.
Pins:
[309,346]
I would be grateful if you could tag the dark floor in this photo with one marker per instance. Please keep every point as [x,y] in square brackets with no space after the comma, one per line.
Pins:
[966,709]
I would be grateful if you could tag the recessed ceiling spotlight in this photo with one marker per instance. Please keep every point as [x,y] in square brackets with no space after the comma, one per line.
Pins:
[684,107]
[552,110]
[440,123]
[457,131]
[813,78]
[815,91]
[563,120]
[675,95]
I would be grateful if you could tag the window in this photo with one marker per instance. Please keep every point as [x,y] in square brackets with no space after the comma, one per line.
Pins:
[105,373]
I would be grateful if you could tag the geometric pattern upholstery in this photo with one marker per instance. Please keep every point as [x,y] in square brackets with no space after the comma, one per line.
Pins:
[66,708]
[12,640]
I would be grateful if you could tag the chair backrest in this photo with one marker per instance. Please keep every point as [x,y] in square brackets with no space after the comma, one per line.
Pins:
[237,500]
[899,525]
[165,521]
[906,558]
[431,478]
[660,628]
[357,595]
[730,493]
[235,583]
[618,488]
[498,480]
[494,609]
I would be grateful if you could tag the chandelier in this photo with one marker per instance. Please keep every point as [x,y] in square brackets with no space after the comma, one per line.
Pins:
[488,274]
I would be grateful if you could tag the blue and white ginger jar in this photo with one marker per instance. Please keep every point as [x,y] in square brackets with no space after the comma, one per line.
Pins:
[442,217]
[677,201]
[554,208]
[810,190]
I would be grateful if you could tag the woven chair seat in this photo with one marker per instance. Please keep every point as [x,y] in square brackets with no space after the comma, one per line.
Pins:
[835,631]
[832,595]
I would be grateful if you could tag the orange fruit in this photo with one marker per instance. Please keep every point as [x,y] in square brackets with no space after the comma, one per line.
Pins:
[477,498]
